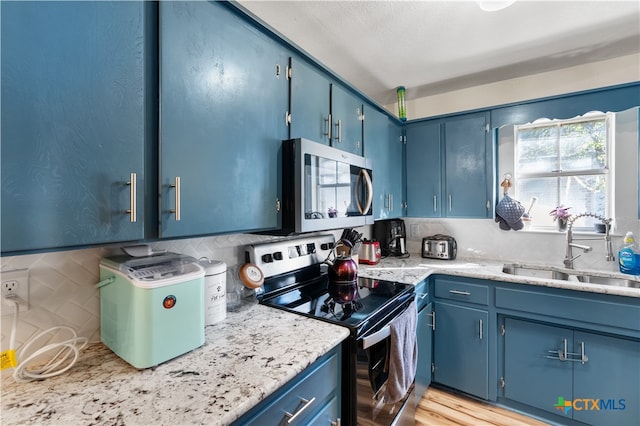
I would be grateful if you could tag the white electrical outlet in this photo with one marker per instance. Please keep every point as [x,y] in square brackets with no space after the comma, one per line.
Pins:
[15,282]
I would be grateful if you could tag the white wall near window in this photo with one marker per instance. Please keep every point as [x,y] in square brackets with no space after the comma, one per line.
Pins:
[611,72]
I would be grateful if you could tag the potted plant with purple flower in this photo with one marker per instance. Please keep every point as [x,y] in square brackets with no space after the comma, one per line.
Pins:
[561,215]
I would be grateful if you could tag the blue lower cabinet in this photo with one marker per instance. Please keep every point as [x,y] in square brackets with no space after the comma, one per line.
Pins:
[586,377]
[611,375]
[461,348]
[224,95]
[425,345]
[312,398]
[534,372]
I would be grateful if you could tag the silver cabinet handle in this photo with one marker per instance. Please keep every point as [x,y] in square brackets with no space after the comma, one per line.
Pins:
[583,357]
[133,196]
[336,422]
[462,293]
[390,202]
[480,329]
[433,320]
[435,203]
[339,130]
[292,417]
[328,132]
[450,202]
[561,353]
[422,295]
[176,185]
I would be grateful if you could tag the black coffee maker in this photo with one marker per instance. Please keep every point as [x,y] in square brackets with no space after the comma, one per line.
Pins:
[392,237]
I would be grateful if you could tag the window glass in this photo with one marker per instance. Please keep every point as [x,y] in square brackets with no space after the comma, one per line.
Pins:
[564,163]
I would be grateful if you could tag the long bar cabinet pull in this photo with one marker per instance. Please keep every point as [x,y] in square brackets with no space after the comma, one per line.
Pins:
[328,132]
[176,185]
[133,196]
[292,417]
[433,320]
[460,292]
[339,130]
[435,203]
[450,202]
[480,329]
[562,354]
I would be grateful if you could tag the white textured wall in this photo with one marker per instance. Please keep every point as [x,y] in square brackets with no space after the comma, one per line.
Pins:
[625,69]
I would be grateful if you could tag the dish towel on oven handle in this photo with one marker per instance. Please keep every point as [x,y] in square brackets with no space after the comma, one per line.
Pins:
[403,354]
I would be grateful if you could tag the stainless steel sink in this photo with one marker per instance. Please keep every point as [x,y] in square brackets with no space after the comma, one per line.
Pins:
[619,282]
[550,272]
[534,271]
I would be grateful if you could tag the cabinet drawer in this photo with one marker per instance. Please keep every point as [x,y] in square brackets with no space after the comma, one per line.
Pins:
[461,291]
[320,383]
[611,314]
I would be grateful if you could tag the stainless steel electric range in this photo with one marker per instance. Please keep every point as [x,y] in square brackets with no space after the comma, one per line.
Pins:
[296,281]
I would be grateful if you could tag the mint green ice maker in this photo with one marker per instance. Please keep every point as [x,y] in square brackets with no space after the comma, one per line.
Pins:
[151,308]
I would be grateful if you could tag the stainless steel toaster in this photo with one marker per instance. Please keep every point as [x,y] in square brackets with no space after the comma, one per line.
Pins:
[439,246]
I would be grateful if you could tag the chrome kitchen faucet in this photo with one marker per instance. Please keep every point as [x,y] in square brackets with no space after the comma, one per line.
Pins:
[569,258]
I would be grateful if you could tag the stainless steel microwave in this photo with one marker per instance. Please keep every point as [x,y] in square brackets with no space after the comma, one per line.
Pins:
[324,188]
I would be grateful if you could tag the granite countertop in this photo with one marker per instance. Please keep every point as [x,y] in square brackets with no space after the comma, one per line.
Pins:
[413,269]
[245,358]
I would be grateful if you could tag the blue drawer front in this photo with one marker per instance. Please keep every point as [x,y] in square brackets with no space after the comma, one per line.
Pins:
[461,291]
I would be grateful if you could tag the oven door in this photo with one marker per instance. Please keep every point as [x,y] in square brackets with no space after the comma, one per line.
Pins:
[371,378]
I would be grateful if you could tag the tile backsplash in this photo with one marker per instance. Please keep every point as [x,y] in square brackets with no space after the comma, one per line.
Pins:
[62,283]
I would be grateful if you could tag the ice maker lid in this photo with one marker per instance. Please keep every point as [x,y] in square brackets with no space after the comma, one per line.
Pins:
[153,271]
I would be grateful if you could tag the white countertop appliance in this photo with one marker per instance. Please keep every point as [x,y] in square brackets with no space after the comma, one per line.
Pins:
[151,308]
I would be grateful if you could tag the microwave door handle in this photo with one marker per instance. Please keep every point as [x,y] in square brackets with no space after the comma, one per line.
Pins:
[367,179]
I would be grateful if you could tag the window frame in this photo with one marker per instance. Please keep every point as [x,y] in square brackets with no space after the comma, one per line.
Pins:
[605,171]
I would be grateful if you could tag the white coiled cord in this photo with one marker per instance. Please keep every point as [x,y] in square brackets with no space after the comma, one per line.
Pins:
[59,363]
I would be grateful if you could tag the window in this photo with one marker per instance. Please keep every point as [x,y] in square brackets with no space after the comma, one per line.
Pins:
[564,162]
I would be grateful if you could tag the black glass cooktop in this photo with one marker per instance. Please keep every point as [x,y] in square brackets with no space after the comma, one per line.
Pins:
[374,300]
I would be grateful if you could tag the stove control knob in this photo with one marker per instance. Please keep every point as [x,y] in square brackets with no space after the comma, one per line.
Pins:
[267,258]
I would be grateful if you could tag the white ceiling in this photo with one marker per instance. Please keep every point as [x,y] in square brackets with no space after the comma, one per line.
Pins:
[433,47]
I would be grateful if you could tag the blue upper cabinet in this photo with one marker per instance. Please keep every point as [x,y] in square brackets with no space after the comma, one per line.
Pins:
[73,123]
[424,170]
[383,145]
[468,165]
[224,97]
[322,110]
[310,103]
[347,117]
[449,167]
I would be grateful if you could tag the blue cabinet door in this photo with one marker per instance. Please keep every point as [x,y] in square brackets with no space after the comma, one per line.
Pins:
[223,105]
[533,372]
[424,335]
[382,145]
[73,122]
[468,163]
[424,170]
[610,374]
[310,102]
[346,115]
[461,349]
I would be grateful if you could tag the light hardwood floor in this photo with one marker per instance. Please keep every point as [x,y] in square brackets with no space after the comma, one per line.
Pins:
[441,408]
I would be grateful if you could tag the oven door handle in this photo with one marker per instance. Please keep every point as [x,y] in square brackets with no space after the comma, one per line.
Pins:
[377,337]
[383,333]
